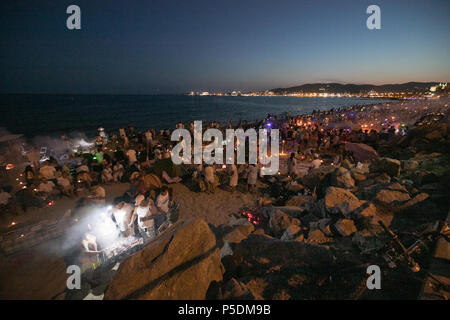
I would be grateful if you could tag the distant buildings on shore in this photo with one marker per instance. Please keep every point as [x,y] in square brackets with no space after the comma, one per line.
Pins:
[433,92]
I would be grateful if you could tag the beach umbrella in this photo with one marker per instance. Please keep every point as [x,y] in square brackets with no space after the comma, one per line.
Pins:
[361,151]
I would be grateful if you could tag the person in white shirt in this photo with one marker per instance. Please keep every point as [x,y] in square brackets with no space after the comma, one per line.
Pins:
[131,154]
[123,213]
[316,163]
[148,137]
[210,178]
[107,174]
[47,172]
[65,184]
[146,223]
[292,165]
[118,172]
[46,187]
[98,195]
[233,176]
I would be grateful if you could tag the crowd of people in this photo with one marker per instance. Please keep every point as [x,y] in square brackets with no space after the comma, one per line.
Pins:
[135,156]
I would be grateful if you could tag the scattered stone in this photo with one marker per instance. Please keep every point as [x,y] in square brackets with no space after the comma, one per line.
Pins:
[236,290]
[366,210]
[317,236]
[416,200]
[442,249]
[298,201]
[324,226]
[226,250]
[391,197]
[280,221]
[390,166]
[383,178]
[410,165]
[292,232]
[338,200]
[345,227]
[342,178]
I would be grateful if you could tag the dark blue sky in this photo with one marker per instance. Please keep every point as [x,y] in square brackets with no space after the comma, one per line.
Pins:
[172,46]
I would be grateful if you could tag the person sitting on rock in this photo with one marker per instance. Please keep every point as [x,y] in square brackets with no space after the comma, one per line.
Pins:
[162,200]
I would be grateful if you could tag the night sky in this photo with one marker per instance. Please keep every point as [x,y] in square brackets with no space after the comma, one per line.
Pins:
[167,46]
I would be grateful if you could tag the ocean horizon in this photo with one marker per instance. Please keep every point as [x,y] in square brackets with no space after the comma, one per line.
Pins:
[52,114]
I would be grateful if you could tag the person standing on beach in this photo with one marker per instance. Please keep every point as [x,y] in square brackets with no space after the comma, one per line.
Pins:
[252,177]
[233,177]
[292,165]
[131,154]
[210,178]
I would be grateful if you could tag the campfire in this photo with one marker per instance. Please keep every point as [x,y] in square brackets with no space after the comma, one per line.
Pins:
[251,216]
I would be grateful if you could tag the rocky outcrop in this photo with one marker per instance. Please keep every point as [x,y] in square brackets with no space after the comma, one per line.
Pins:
[181,264]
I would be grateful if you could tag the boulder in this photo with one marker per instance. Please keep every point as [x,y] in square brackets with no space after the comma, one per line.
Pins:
[33,274]
[383,178]
[390,166]
[342,178]
[391,197]
[366,210]
[313,178]
[236,290]
[345,227]
[179,264]
[292,233]
[317,236]
[361,151]
[256,254]
[416,200]
[239,233]
[410,165]
[358,177]
[434,135]
[280,221]
[298,201]
[338,200]
[324,226]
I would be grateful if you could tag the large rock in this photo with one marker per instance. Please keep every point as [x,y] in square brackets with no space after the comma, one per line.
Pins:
[390,166]
[293,232]
[416,200]
[180,264]
[239,233]
[33,274]
[339,200]
[410,165]
[342,178]
[313,178]
[298,201]
[256,254]
[392,197]
[280,221]
[361,151]
[345,227]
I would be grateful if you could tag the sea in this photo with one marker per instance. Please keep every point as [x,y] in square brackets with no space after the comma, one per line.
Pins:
[41,114]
